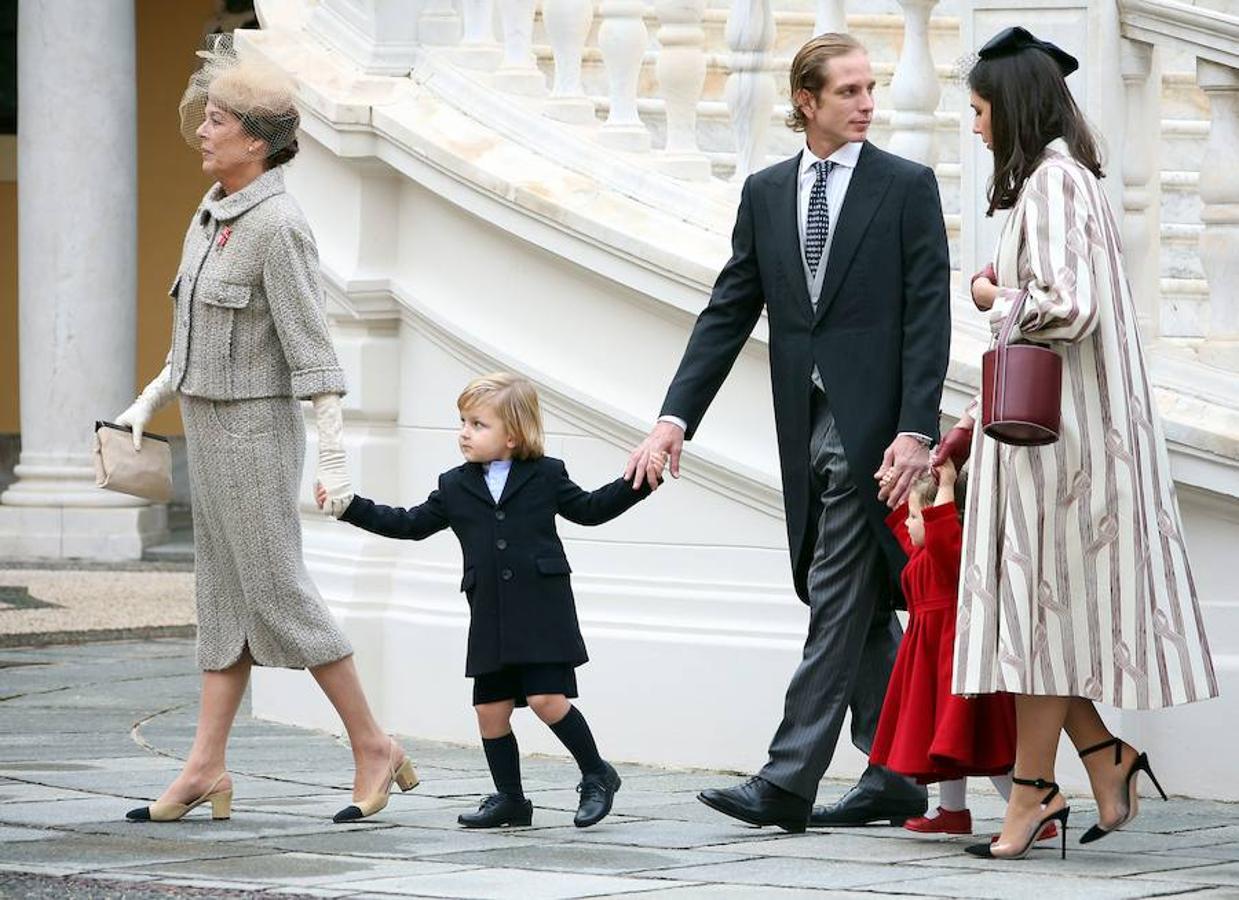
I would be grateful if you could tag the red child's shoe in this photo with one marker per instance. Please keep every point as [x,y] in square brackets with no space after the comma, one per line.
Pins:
[948,821]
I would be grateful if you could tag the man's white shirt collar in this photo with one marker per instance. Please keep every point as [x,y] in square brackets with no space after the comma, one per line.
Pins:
[847,155]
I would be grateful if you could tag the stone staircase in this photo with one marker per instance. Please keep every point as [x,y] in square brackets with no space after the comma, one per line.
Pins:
[1185,127]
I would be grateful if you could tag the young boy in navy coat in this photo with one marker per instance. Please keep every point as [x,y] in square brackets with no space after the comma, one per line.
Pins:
[524,640]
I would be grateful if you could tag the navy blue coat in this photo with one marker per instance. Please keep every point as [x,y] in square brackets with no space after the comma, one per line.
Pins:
[521,608]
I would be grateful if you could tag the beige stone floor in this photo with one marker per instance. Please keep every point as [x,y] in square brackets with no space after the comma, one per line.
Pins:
[88,603]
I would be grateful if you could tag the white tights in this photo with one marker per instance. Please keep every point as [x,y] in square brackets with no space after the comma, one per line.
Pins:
[953,795]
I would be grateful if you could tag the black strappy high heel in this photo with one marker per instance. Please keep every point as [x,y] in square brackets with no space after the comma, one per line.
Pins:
[985,851]
[1138,765]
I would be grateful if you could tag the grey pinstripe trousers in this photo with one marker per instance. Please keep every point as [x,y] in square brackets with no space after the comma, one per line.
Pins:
[852,639]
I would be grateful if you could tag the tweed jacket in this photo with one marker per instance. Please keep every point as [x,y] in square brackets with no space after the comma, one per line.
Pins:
[516,575]
[249,319]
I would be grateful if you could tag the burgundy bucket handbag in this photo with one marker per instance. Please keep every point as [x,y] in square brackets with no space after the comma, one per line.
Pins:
[1021,390]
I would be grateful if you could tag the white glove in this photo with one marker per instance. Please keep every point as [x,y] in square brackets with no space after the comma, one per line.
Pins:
[332,472]
[153,397]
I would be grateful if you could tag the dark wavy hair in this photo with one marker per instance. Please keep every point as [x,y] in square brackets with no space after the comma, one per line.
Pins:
[1030,105]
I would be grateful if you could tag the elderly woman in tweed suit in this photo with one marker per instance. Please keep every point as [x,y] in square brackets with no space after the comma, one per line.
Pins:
[1075,582]
[249,340]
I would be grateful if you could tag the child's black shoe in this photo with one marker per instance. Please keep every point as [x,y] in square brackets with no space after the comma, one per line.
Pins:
[597,791]
[499,810]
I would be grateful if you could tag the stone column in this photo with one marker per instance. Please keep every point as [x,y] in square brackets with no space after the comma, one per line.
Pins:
[1219,194]
[77,245]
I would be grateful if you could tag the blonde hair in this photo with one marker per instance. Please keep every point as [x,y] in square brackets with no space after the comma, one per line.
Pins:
[808,71]
[515,401]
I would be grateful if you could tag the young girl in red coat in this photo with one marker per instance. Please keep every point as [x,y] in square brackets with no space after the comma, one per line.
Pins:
[925,731]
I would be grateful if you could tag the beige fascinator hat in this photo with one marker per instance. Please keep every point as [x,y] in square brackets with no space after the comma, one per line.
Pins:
[260,95]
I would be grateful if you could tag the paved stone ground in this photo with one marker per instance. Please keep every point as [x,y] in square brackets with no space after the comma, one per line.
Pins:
[45,602]
[88,731]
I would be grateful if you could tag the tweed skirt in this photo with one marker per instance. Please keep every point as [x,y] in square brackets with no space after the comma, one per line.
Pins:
[252,589]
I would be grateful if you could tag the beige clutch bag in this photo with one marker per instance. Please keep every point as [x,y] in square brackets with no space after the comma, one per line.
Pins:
[145,473]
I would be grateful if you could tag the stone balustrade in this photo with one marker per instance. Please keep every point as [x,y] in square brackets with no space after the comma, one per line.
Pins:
[1212,37]
[672,71]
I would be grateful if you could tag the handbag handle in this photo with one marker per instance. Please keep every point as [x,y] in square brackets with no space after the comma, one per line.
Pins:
[1008,324]
[999,386]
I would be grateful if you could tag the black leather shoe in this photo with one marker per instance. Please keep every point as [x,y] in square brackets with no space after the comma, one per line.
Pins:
[597,793]
[758,802]
[861,806]
[499,810]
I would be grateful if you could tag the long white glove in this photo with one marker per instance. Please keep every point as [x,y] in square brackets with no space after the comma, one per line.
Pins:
[153,397]
[332,472]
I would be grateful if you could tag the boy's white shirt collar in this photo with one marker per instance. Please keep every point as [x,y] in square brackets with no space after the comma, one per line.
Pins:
[496,472]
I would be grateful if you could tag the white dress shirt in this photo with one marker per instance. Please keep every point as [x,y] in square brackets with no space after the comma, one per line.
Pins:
[497,476]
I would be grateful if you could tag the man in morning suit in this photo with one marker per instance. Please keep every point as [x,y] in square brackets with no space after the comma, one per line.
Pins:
[845,248]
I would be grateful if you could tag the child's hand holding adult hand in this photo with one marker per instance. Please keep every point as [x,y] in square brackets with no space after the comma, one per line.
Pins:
[903,460]
[667,439]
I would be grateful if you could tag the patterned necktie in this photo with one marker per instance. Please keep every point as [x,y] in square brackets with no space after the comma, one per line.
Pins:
[818,226]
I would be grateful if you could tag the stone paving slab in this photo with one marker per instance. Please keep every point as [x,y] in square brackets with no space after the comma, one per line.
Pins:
[1010,883]
[797,872]
[664,834]
[45,602]
[503,884]
[74,854]
[593,859]
[745,892]
[88,732]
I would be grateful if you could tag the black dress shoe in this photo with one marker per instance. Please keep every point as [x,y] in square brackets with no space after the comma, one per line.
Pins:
[758,802]
[597,791]
[499,810]
[861,806]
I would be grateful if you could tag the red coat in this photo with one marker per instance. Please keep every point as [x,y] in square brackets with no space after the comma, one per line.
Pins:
[925,731]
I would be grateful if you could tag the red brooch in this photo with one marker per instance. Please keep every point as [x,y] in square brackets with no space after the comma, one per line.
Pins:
[224,234]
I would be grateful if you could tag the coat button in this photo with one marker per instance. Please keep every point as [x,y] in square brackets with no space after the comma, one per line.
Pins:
[501,544]
[500,515]
[506,574]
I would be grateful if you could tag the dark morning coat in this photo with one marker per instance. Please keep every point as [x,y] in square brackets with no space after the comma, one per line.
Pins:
[880,335]
[521,608]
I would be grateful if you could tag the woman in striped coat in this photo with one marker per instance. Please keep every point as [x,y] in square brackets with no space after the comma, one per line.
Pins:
[1075,583]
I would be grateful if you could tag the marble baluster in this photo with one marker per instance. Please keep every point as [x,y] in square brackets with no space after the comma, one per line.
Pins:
[681,77]
[750,89]
[567,25]
[623,40]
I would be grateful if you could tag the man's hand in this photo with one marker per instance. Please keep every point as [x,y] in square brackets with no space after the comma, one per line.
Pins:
[646,464]
[903,460]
